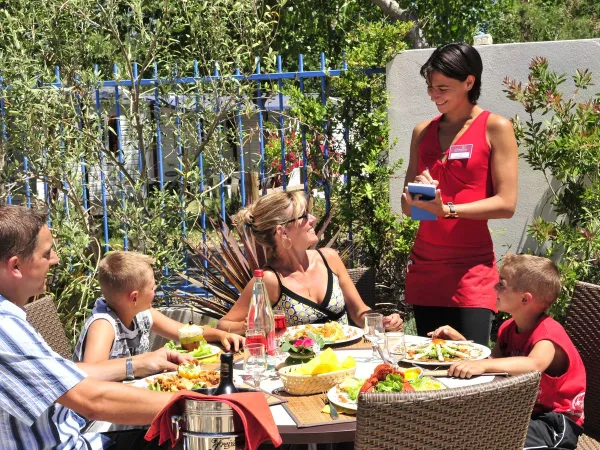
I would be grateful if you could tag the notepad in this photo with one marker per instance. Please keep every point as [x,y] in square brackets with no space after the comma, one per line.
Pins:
[427,192]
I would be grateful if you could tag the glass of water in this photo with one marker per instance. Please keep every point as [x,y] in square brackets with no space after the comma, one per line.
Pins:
[375,332]
[255,361]
[396,346]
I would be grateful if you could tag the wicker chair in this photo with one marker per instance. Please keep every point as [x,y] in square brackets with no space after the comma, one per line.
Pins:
[486,416]
[42,315]
[364,280]
[583,326]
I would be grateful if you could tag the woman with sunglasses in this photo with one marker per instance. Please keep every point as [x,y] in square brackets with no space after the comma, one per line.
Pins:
[311,286]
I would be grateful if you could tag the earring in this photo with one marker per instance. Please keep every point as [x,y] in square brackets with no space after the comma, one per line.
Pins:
[289,240]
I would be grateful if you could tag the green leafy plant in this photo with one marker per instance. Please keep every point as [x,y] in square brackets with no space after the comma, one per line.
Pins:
[566,149]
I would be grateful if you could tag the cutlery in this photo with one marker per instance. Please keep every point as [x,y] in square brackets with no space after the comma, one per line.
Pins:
[444,373]
[332,411]
[381,354]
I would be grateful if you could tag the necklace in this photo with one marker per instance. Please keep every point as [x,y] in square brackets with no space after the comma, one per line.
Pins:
[305,286]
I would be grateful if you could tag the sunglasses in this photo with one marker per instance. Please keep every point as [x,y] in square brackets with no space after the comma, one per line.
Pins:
[303,216]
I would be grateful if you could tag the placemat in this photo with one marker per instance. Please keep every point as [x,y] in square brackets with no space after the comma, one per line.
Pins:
[360,344]
[305,410]
[272,399]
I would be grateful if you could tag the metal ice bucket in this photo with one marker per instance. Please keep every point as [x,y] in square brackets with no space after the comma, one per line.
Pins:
[208,426]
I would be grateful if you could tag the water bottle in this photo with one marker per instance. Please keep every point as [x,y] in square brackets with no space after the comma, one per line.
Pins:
[226,385]
[260,313]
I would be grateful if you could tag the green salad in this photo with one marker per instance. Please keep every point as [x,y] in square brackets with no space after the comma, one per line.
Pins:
[203,350]
[351,386]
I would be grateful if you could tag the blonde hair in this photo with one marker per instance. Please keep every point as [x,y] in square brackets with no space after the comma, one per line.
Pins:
[122,272]
[534,274]
[263,216]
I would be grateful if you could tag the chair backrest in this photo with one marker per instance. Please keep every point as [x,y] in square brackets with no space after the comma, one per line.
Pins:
[364,280]
[42,315]
[583,327]
[492,416]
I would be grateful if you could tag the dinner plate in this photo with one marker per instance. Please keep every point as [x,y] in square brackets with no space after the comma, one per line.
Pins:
[341,399]
[143,382]
[351,333]
[485,352]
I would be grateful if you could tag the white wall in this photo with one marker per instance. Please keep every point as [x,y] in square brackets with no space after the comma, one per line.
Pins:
[409,105]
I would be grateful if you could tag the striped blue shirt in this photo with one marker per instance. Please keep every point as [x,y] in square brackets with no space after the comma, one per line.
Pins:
[32,378]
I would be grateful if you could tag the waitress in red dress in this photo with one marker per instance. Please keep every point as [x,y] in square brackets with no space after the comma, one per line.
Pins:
[470,155]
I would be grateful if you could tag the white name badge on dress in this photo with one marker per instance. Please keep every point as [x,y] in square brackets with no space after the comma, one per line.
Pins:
[460,151]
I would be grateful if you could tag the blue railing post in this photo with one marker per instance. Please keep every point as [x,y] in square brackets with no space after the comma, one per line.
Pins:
[302,126]
[281,126]
[102,164]
[120,152]
[325,130]
[241,140]
[261,130]
[200,156]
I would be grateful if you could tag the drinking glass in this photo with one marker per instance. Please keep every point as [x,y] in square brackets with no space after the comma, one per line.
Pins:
[256,336]
[280,329]
[255,361]
[375,332]
[396,346]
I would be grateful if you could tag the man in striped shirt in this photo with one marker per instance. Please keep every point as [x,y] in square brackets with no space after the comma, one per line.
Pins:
[44,397]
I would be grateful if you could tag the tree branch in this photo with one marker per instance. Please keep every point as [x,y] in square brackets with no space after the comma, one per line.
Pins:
[392,9]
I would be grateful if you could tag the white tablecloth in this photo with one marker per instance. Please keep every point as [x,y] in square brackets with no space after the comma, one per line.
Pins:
[365,367]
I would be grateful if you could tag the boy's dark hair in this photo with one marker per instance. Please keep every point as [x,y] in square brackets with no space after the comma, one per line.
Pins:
[456,60]
[534,274]
[19,229]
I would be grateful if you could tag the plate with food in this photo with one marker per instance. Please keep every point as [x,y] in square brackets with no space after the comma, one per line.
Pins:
[204,350]
[330,332]
[187,377]
[345,394]
[440,352]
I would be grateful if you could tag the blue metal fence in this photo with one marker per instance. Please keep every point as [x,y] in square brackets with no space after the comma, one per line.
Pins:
[154,85]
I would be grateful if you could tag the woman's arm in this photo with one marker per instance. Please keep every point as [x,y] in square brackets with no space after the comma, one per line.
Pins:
[355,306]
[235,320]
[98,341]
[411,171]
[504,170]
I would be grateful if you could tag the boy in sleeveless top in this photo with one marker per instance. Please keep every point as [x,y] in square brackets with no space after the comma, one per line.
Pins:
[531,340]
[120,323]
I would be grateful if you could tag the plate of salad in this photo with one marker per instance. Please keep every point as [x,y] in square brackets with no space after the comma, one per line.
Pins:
[203,351]
[346,393]
[439,352]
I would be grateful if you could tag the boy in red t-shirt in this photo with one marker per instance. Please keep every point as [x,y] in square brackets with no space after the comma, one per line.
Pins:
[529,341]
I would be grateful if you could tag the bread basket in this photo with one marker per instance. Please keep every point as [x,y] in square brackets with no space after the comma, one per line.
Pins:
[299,384]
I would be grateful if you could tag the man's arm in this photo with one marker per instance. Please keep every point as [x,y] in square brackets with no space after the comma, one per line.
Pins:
[161,360]
[114,402]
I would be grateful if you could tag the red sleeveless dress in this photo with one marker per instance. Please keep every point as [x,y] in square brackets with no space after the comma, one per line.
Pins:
[452,262]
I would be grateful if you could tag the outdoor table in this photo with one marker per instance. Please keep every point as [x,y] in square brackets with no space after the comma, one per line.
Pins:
[329,432]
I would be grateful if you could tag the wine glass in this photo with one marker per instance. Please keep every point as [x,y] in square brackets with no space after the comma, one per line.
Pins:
[280,329]
[255,361]
[396,346]
[374,332]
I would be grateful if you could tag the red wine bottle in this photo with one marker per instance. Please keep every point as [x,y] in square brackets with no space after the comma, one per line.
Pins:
[226,385]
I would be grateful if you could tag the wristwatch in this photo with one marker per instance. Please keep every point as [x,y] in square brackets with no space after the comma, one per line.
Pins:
[129,369]
[452,214]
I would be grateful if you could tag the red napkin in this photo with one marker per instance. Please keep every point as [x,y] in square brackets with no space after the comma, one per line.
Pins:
[251,407]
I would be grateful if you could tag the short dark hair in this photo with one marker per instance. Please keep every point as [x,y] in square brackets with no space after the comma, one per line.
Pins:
[19,229]
[456,60]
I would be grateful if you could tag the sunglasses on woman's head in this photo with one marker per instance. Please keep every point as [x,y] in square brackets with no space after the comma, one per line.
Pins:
[303,216]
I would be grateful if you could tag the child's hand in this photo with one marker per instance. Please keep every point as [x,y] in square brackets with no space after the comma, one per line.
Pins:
[229,340]
[446,332]
[466,369]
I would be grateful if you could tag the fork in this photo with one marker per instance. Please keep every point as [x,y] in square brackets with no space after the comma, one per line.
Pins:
[332,411]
